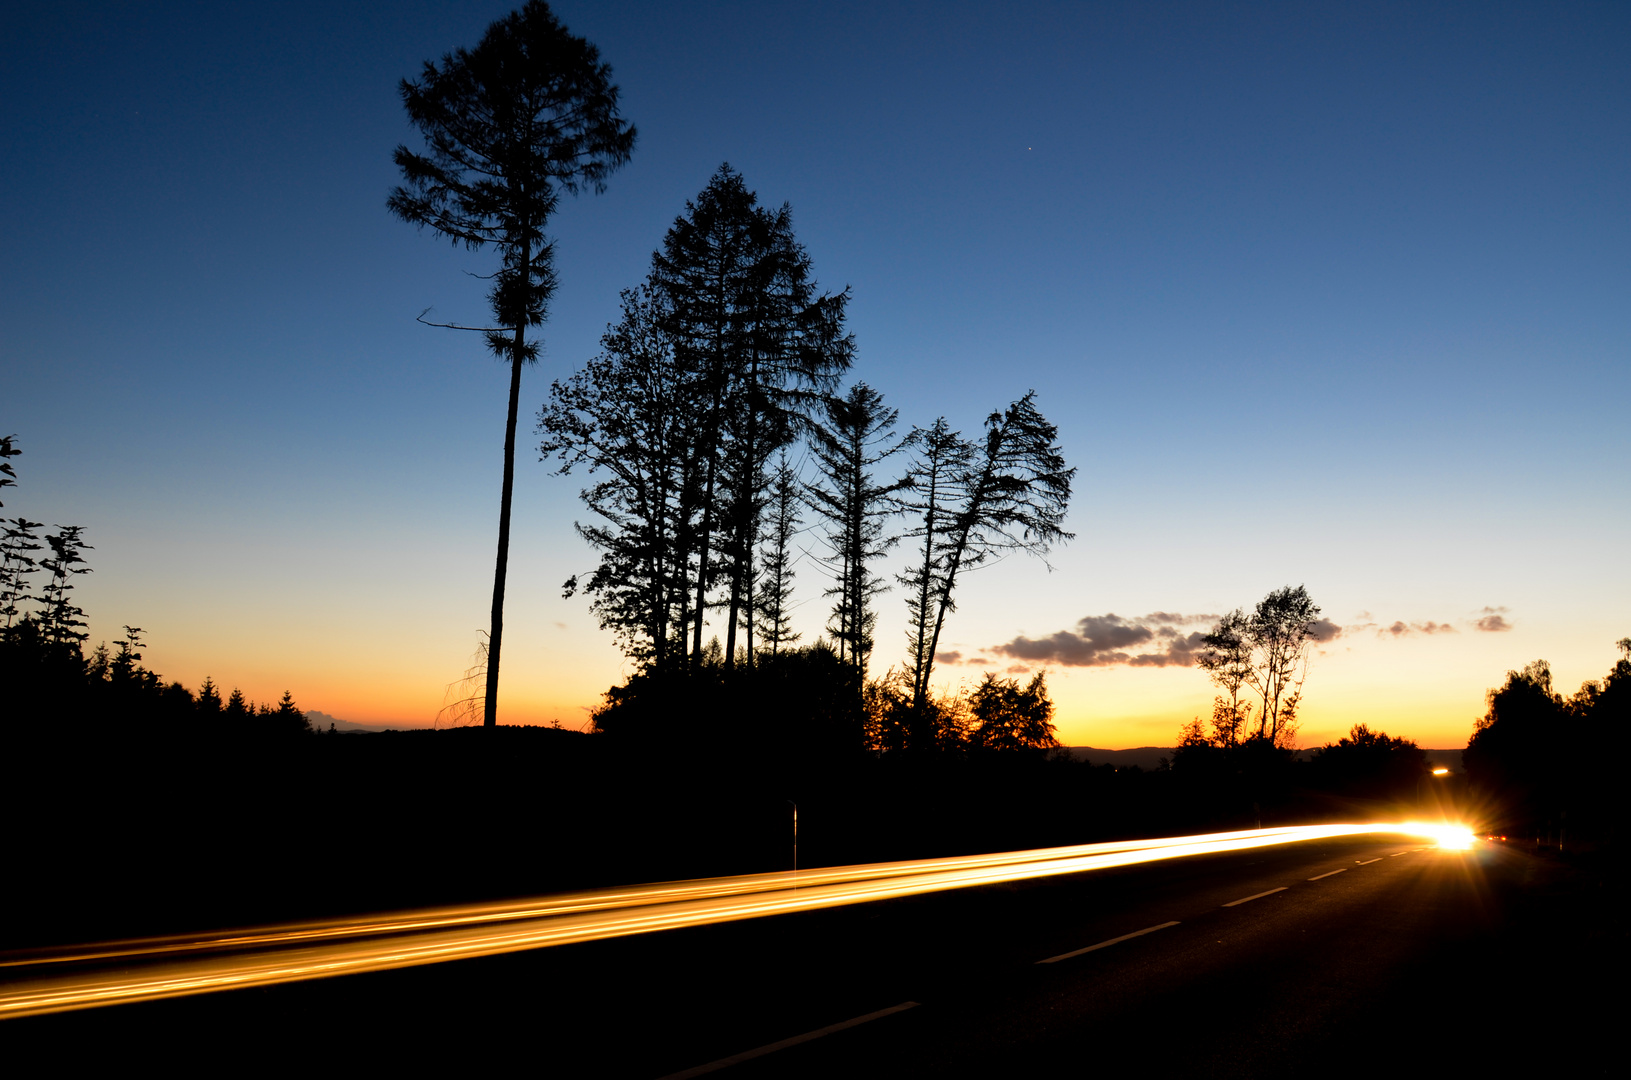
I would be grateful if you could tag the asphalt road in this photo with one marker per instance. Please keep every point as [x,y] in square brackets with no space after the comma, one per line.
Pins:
[1333,957]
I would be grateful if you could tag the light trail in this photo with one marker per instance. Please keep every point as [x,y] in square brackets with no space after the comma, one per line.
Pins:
[41,981]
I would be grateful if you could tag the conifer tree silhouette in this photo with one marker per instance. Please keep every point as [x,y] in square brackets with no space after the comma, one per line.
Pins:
[853,439]
[775,593]
[529,113]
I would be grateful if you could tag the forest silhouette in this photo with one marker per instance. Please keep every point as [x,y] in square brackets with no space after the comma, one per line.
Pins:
[144,806]
[730,457]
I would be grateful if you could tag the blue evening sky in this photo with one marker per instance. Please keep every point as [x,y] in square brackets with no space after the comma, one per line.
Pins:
[1331,294]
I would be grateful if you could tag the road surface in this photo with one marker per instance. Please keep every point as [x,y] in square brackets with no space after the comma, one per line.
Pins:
[1332,957]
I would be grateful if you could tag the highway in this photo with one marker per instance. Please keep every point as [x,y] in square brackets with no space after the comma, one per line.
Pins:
[43,981]
[1242,961]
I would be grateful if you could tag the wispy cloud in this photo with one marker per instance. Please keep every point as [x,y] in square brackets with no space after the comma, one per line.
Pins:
[1493,621]
[1155,640]
[1404,629]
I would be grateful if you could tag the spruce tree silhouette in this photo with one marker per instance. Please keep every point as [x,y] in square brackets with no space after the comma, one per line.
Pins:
[742,313]
[18,539]
[855,436]
[529,113]
[716,365]
[629,416]
[775,596]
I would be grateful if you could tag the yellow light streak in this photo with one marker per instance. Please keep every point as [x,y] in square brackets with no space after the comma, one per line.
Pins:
[36,982]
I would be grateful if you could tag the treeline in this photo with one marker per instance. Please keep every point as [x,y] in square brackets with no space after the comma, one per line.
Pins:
[1527,779]
[48,683]
[805,711]
[720,443]
[1520,774]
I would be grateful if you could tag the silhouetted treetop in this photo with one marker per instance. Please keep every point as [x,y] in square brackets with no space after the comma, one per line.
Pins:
[1009,717]
[978,501]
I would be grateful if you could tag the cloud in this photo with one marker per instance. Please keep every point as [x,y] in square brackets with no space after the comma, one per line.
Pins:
[1325,630]
[1171,619]
[1106,640]
[1160,640]
[948,657]
[1404,629]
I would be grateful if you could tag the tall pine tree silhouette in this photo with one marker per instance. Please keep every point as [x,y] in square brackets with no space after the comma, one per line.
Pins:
[529,113]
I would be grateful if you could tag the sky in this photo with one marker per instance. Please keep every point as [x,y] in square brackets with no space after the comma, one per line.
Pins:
[1329,295]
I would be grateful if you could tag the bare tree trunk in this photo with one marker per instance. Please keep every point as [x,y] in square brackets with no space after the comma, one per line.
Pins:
[920,673]
[495,636]
[707,528]
[954,563]
[735,607]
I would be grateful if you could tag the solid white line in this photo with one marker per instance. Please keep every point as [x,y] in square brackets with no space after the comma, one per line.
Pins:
[1367,862]
[1327,874]
[1256,896]
[1112,941]
[749,1055]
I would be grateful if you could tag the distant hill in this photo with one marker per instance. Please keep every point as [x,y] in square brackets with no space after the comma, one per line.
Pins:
[321,721]
[1149,757]
[1145,757]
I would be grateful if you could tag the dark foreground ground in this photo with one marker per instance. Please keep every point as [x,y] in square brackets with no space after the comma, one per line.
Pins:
[127,832]
[1410,960]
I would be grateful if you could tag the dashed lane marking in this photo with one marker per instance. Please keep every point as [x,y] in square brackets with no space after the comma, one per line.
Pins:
[1367,862]
[1112,941]
[1327,874]
[1256,896]
[1396,854]
[749,1055]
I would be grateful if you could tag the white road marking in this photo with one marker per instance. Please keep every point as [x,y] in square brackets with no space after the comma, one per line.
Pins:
[1396,854]
[749,1055]
[1367,862]
[1327,874]
[1112,941]
[1256,896]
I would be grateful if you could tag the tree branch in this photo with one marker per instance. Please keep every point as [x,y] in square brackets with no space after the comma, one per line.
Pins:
[455,326]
